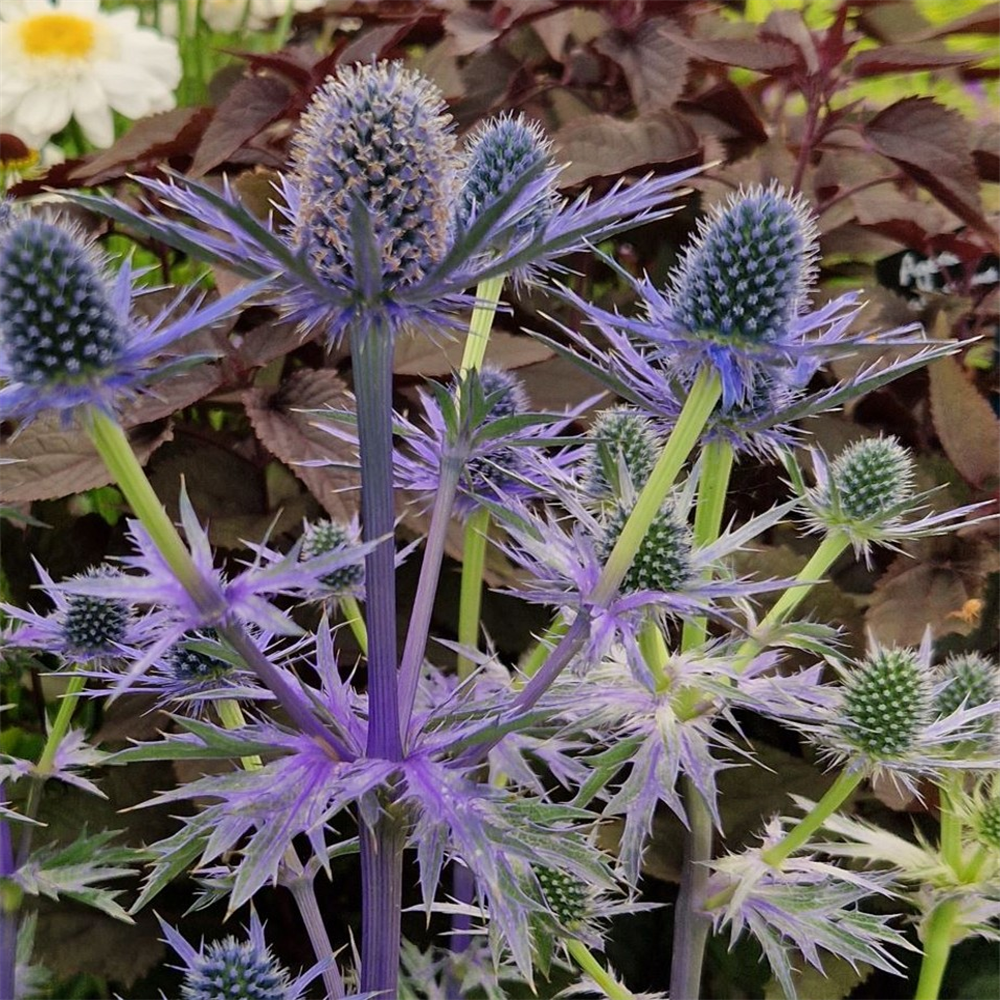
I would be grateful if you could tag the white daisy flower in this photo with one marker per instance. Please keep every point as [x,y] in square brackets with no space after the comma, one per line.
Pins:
[67,59]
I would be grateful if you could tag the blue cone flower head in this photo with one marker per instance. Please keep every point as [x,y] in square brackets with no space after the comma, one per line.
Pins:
[68,336]
[499,153]
[746,275]
[375,135]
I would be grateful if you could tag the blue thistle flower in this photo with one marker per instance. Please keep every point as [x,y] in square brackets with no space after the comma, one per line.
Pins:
[232,969]
[499,153]
[323,537]
[365,231]
[745,276]
[374,135]
[68,337]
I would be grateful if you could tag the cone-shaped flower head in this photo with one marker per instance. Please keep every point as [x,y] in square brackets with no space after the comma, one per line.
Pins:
[190,663]
[972,680]
[59,324]
[323,537]
[503,391]
[566,896]
[95,626]
[986,822]
[886,703]
[621,436]
[870,477]
[663,561]
[745,276]
[237,969]
[375,136]
[499,154]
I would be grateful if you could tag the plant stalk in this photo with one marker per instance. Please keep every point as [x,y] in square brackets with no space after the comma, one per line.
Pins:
[382,905]
[470,601]
[938,940]
[609,986]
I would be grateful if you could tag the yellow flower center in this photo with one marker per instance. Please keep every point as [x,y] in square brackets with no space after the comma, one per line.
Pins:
[57,35]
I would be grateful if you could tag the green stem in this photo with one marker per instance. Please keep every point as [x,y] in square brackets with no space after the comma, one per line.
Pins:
[951,825]
[481,323]
[938,940]
[834,798]
[471,596]
[356,621]
[716,468]
[829,550]
[113,446]
[607,983]
[697,409]
[60,725]
[654,651]
[231,716]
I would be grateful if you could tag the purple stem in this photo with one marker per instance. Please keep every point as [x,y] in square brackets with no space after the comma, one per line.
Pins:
[9,912]
[430,572]
[303,891]
[382,904]
[371,357]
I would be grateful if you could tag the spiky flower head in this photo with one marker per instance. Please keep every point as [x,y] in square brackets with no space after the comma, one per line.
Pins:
[746,274]
[620,436]
[190,662]
[972,680]
[870,477]
[663,560]
[95,626]
[503,390]
[375,136]
[886,702]
[323,537]
[986,821]
[231,969]
[60,325]
[500,153]
[566,897]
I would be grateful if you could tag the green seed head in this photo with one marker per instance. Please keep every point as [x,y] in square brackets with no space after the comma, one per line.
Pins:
[886,703]
[565,896]
[620,435]
[869,477]
[663,560]
[973,680]
[987,823]
[323,537]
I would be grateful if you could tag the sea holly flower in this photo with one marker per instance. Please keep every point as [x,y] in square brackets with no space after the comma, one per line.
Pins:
[70,336]
[365,230]
[323,537]
[807,907]
[972,680]
[498,154]
[237,968]
[622,442]
[489,430]
[68,59]
[738,305]
[247,597]
[565,557]
[81,628]
[880,719]
[867,493]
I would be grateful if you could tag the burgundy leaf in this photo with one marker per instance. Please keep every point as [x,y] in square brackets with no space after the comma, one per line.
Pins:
[602,146]
[727,103]
[374,43]
[290,435]
[775,55]
[907,58]
[156,138]
[932,144]
[252,104]
[654,66]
